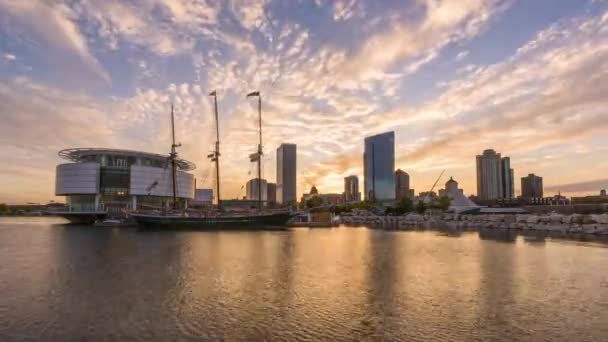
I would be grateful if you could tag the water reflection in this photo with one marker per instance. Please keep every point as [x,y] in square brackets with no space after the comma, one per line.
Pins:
[73,283]
[499,235]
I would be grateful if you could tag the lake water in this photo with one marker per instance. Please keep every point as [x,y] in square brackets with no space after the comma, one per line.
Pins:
[61,282]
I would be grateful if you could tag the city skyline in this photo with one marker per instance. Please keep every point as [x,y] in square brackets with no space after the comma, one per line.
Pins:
[103,74]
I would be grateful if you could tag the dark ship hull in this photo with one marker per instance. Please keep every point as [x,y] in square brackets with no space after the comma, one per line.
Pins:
[236,222]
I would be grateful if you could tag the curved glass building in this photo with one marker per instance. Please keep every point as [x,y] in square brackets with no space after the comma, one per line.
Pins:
[99,182]
[378,167]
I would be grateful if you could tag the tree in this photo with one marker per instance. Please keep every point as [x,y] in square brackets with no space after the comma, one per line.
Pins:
[405,206]
[314,202]
[3,208]
[443,203]
[421,207]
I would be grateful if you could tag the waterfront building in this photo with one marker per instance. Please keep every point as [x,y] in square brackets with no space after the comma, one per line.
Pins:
[271,191]
[351,189]
[458,201]
[100,180]
[532,186]
[202,198]
[286,174]
[494,176]
[326,199]
[402,185]
[378,167]
[252,189]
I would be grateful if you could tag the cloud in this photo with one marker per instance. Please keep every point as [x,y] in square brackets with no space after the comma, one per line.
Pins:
[346,9]
[9,57]
[56,29]
[461,55]
[443,22]
[587,186]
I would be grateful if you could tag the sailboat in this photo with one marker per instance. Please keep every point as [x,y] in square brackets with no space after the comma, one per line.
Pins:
[260,219]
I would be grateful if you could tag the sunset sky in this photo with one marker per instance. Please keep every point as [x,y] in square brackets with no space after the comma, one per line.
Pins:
[451,78]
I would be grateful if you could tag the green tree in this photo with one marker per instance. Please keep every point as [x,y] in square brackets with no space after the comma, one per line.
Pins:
[443,203]
[405,206]
[421,207]
[3,208]
[314,202]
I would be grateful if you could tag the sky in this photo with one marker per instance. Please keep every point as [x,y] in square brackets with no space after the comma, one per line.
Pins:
[451,78]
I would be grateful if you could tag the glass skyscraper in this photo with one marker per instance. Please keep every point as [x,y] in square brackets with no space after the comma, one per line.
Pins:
[378,167]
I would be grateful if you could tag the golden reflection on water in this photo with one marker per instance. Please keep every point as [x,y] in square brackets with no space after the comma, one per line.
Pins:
[69,282]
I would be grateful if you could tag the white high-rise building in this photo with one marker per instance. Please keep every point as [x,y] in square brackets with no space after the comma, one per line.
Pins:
[494,176]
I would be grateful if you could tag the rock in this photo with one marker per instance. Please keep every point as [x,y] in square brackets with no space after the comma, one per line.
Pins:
[509,219]
[496,218]
[590,228]
[602,219]
[521,218]
[532,219]
[602,229]
[588,219]
[576,219]
[556,219]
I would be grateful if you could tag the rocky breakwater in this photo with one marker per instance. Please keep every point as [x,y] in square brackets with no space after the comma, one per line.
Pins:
[563,224]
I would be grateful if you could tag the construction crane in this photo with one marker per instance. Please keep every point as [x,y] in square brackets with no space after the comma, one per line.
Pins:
[433,187]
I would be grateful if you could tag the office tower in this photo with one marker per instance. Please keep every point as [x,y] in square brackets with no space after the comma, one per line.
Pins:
[494,176]
[507,182]
[351,189]
[252,189]
[286,174]
[532,186]
[378,167]
[402,185]
[271,193]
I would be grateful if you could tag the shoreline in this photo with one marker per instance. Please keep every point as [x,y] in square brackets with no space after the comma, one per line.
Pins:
[553,225]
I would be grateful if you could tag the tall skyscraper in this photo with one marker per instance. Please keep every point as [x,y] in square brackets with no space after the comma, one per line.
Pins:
[494,176]
[252,189]
[402,185]
[351,189]
[532,186]
[378,167]
[507,182]
[286,174]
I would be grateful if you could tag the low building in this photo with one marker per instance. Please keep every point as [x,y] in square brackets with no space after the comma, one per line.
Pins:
[253,192]
[532,186]
[271,193]
[458,201]
[102,181]
[202,198]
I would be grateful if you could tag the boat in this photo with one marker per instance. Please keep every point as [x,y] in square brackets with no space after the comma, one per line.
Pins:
[257,221]
[218,220]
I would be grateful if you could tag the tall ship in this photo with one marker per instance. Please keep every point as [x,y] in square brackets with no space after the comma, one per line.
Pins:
[259,218]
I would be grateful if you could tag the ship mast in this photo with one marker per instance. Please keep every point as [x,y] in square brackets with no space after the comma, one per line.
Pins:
[215,156]
[259,153]
[173,156]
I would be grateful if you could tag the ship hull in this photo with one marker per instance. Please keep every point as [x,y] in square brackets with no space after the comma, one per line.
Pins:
[85,218]
[244,222]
